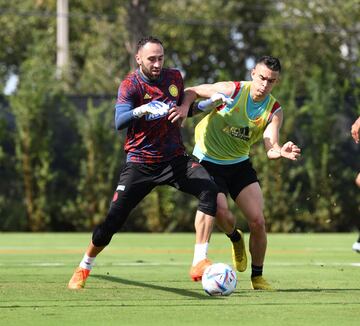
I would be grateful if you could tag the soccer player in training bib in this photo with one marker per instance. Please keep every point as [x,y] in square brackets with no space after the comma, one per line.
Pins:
[149,105]
[240,113]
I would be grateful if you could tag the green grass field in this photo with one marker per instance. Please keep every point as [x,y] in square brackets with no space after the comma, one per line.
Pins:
[142,279]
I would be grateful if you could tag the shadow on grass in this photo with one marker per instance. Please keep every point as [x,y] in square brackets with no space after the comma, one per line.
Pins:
[317,290]
[182,292]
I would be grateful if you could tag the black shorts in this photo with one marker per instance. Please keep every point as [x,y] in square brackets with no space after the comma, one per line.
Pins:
[185,174]
[231,178]
[137,180]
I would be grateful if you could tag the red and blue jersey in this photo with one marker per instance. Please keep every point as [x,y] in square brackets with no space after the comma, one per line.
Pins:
[150,139]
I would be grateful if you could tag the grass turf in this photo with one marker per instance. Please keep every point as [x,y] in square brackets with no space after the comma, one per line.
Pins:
[142,279]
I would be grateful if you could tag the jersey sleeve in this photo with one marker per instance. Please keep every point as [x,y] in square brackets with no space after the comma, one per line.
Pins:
[127,93]
[125,103]
[276,107]
[237,88]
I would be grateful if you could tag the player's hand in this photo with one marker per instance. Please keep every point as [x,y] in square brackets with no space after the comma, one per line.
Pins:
[220,98]
[290,151]
[154,107]
[178,113]
[214,101]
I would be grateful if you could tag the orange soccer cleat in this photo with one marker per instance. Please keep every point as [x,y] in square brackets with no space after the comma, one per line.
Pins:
[197,271]
[78,279]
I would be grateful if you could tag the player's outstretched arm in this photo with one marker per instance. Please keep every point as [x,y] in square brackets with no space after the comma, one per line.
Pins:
[213,102]
[215,94]
[206,90]
[271,141]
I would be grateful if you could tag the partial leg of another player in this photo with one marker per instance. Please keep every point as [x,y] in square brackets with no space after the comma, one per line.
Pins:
[250,201]
[226,221]
[203,226]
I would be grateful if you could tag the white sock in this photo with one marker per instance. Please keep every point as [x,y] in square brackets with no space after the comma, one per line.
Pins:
[200,252]
[87,262]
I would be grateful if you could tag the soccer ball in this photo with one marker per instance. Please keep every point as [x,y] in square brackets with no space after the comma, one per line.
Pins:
[219,279]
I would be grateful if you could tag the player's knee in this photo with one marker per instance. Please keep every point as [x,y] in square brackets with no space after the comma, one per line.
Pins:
[103,233]
[257,224]
[101,236]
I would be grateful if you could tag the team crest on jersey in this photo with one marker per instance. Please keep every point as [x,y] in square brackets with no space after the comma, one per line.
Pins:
[173,90]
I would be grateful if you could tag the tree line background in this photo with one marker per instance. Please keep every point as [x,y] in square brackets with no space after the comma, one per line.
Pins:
[60,155]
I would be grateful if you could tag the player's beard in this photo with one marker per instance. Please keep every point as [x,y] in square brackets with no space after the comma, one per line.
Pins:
[149,74]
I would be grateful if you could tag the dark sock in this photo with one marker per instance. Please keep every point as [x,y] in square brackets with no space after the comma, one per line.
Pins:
[358,239]
[235,236]
[256,270]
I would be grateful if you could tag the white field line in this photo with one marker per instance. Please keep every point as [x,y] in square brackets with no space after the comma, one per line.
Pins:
[47,264]
[30,248]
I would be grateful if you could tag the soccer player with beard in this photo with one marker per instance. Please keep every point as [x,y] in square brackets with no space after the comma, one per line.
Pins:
[149,105]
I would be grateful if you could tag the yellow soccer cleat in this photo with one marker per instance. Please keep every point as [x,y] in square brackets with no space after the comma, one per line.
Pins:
[78,279]
[259,283]
[197,271]
[239,254]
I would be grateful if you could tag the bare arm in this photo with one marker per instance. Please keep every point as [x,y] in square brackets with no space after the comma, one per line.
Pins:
[206,90]
[271,141]
[201,91]
[355,128]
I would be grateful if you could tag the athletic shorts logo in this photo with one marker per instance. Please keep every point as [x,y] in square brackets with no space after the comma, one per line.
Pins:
[120,187]
[147,96]
[173,90]
[115,197]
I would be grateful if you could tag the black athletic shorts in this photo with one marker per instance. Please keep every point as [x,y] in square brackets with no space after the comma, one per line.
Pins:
[231,178]
[184,173]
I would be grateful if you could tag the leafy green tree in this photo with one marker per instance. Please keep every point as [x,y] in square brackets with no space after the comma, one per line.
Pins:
[210,40]
[21,22]
[99,167]
[10,187]
[318,47]
[62,152]
[318,33]
[31,106]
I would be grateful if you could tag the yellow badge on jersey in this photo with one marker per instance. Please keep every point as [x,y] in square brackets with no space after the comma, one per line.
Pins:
[173,90]
[147,96]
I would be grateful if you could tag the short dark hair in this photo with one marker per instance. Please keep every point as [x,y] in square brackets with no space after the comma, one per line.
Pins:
[147,39]
[270,62]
